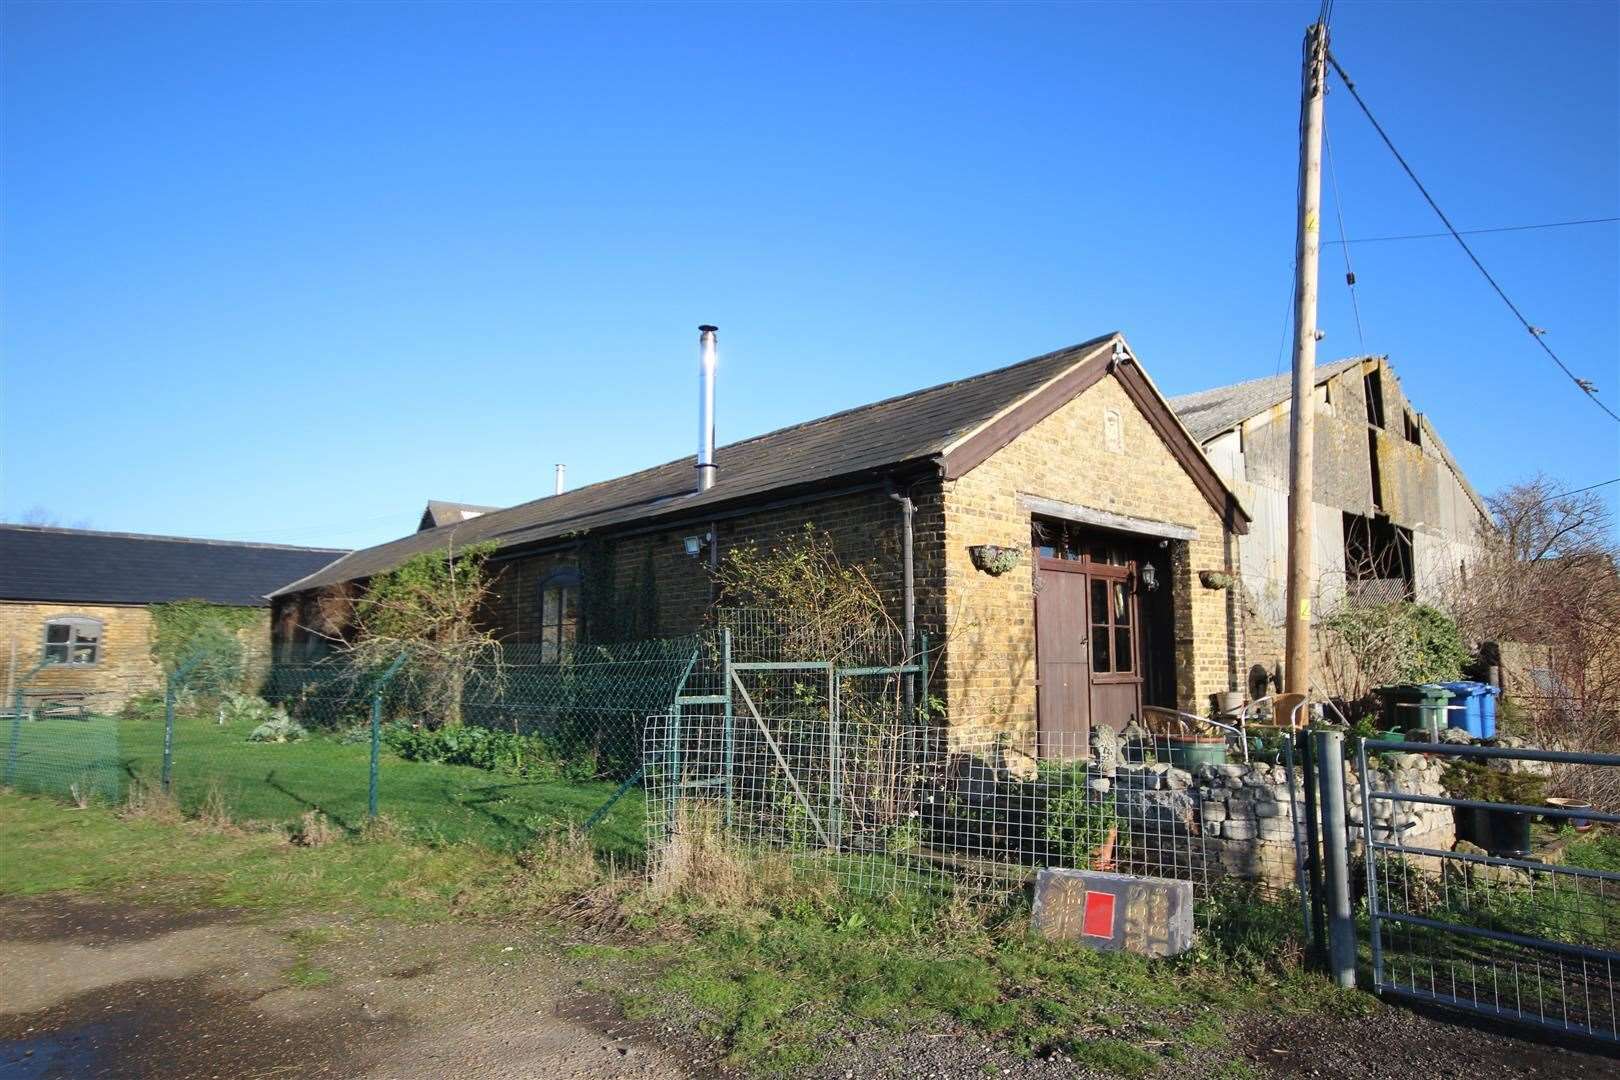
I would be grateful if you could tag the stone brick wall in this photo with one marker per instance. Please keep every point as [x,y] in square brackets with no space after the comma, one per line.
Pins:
[124,665]
[990,621]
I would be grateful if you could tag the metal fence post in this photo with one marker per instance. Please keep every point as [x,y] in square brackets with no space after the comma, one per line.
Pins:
[835,755]
[1313,846]
[168,730]
[16,738]
[376,735]
[1296,814]
[1374,931]
[1335,854]
[730,736]
[923,705]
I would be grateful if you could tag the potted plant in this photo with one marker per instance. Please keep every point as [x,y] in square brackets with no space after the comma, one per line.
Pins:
[1501,832]
[1188,751]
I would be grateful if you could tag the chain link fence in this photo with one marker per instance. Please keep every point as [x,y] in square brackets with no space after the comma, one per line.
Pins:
[538,743]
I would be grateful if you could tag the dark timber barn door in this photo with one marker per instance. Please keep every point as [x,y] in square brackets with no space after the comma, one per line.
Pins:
[1063,663]
[1087,647]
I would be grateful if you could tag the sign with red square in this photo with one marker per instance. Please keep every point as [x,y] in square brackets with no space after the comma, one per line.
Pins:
[1099,920]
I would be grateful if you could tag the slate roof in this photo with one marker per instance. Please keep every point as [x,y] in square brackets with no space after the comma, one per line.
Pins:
[1209,413]
[909,428]
[440,512]
[85,567]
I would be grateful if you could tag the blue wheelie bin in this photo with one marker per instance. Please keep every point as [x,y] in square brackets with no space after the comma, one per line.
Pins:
[1478,714]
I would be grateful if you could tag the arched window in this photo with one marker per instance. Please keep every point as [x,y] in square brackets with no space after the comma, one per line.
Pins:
[559,615]
[73,639]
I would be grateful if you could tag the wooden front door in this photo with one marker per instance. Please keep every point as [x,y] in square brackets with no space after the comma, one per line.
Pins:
[1062,662]
[1087,650]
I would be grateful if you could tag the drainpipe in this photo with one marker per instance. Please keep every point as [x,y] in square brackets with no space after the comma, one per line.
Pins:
[910,589]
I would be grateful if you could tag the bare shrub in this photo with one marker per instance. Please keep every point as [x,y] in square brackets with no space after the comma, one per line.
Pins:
[314,830]
[428,609]
[149,802]
[215,812]
[1546,586]
[701,863]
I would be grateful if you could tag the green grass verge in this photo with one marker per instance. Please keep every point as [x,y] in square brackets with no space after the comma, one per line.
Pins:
[776,981]
[50,848]
[277,783]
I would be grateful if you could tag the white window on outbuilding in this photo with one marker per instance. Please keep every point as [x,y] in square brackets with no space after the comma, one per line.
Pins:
[73,639]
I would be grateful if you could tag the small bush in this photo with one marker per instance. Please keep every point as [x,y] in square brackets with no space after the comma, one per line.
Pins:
[279,730]
[533,756]
[236,707]
[150,706]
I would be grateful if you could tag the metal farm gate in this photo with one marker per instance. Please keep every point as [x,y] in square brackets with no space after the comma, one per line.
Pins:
[1498,928]
[766,727]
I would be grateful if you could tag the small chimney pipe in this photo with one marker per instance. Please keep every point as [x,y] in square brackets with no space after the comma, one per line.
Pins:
[707,361]
[562,479]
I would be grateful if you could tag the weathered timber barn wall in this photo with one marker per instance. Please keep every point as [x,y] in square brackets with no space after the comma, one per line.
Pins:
[1418,487]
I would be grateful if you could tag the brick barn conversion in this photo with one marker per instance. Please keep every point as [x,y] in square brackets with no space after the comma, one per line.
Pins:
[1074,458]
[82,601]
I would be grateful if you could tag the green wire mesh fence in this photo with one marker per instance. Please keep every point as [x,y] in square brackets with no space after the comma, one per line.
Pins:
[533,744]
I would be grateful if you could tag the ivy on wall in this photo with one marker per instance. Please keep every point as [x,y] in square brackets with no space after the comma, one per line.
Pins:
[209,635]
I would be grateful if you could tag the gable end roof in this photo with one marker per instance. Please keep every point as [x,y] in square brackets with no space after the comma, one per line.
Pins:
[1212,412]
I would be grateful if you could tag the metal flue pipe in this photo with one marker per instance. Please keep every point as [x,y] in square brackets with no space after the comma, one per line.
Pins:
[707,361]
[562,479]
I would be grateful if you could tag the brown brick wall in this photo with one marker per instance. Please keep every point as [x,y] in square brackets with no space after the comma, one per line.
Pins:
[990,663]
[649,587]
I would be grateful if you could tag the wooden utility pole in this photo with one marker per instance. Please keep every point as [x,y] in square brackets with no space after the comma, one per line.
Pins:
[1302,412]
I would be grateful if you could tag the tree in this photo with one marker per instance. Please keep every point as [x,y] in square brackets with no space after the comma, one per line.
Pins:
[1547,578]
[429,609]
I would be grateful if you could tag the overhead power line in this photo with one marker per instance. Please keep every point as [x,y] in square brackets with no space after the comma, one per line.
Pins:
[1588,487]
[1584,385]
[1344,245]
[1475,232]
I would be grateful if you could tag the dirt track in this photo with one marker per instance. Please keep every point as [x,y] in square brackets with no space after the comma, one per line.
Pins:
[103,990]
[91,989]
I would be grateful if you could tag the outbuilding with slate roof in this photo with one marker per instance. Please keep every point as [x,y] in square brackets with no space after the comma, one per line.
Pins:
[76,622]
[1073,460]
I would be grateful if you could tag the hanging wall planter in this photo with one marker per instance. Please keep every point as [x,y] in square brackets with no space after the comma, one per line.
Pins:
[1215,579]
[994,559]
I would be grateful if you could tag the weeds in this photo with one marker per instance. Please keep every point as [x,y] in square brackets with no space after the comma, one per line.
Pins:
[147,802]
[314,830]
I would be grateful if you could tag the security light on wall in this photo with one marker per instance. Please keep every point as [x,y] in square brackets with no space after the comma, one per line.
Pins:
[694,544]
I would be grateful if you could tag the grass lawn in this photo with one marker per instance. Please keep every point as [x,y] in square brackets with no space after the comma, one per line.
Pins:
[279,782]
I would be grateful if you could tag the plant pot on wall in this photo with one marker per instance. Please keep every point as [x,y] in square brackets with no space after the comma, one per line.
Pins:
[1216,579]
[995,559]
[1190,751]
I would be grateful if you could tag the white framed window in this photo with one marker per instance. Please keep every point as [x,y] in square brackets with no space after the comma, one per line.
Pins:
[73,639]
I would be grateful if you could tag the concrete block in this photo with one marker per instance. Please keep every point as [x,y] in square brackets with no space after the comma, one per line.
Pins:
[1114,912]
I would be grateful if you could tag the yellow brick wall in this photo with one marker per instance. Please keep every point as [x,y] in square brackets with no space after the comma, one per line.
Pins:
[990,656]
[125,666]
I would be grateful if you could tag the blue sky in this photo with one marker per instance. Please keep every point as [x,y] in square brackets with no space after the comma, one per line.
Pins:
[284,272]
